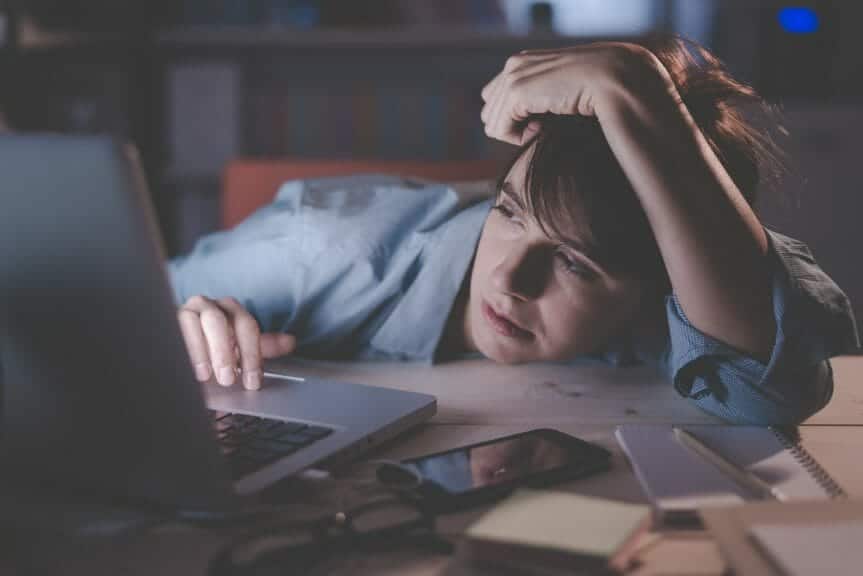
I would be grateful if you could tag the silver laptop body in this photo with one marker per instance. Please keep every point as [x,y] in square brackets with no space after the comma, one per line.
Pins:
[98,398]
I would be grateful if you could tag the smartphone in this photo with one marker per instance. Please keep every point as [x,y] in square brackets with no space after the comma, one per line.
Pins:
[474,474]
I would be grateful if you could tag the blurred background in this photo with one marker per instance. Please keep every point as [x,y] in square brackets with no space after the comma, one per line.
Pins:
[196,83]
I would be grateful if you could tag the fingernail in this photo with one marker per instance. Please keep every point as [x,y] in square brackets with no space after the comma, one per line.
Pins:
[202,371]
[252,380]
[225,376]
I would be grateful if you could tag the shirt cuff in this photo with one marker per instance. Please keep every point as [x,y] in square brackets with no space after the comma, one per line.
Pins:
[813,322]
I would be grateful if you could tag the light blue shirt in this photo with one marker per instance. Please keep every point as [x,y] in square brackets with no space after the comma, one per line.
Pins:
[369,267]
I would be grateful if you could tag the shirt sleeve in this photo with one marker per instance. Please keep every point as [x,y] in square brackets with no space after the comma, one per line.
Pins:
[262,262]
[814,322]
[325,261]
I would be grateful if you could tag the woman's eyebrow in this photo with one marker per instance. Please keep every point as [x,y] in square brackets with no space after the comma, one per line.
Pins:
[587,250]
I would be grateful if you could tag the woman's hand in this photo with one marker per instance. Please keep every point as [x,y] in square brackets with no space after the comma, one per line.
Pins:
[711,241]
[224,341]
[565,81]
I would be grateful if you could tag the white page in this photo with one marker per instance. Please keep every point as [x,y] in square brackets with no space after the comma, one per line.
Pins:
[760,451]
[677,479]
[832,549]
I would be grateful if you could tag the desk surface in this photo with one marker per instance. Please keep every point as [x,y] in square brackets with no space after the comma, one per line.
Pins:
[479,400]
[479,392]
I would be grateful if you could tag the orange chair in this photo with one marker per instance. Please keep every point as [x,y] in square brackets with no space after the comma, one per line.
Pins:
[249,184]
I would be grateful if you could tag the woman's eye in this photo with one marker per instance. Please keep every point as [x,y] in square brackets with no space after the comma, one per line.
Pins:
[505,211]
[575,267]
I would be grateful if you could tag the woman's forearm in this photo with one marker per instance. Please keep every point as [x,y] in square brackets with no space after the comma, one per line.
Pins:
[712,243]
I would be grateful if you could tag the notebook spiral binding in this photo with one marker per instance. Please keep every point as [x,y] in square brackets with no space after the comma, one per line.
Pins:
[819,474]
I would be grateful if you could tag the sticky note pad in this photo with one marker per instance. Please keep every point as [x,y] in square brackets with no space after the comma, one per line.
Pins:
[557,528]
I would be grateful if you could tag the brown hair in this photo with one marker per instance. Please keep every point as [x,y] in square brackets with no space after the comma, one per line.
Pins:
[573,179]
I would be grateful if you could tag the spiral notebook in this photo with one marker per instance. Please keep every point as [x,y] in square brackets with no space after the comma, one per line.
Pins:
[677,481]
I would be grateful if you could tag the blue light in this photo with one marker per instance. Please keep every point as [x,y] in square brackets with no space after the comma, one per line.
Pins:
[798,20]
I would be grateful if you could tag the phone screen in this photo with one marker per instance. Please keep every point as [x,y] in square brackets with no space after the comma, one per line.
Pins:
[504,461]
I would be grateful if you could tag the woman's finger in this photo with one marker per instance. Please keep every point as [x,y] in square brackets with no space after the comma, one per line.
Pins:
[510,124]
[490,94]
[487,90]
[501,125]
[196,343]
[526,96]
[248,341]
[274,345]
[532,129]
[220,344]
[495,105]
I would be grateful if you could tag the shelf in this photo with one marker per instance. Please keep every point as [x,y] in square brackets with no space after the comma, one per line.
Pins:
[405,37]
[33,39]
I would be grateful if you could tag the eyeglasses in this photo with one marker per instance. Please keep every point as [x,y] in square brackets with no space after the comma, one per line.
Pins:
[396,518]
[291,548]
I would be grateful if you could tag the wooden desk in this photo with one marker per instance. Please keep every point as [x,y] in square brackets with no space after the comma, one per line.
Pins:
[479,400]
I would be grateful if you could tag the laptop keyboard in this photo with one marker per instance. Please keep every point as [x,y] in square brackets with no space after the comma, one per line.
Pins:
[251,442]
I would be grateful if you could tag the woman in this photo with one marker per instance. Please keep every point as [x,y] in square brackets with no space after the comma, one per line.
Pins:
[622,230]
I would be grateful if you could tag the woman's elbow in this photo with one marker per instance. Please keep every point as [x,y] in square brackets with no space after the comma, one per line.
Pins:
[807,391]
[798,397]
[819,383]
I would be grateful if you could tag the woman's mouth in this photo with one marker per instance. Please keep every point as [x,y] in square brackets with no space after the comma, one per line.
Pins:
[503,325]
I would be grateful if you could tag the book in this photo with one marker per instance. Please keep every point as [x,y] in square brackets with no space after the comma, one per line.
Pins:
[678,481]
[554,532]
[789,538]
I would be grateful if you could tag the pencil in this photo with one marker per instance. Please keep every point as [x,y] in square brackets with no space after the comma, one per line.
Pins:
[740,475]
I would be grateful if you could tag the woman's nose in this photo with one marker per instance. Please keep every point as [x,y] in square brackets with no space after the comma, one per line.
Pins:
[520,273]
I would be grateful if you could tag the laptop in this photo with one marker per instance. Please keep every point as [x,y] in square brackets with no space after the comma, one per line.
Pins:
[99,400]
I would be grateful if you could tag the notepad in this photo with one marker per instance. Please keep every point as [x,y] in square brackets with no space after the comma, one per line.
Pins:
[549,531]
[677,481]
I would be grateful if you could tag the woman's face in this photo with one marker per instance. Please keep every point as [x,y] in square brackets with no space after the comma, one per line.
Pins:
[536,298]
